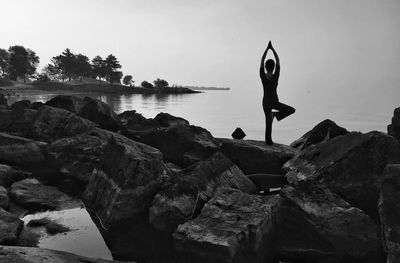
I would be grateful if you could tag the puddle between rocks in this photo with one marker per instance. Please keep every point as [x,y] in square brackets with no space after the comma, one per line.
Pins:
[84,238]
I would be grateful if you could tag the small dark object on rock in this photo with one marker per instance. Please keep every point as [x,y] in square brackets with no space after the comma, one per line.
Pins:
[238,134]
[39,222]
[55,228]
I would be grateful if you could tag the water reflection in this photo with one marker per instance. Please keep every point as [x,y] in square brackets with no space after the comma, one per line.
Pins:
[84,238]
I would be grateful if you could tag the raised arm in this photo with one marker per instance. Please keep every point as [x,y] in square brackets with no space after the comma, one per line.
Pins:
[262,71]
[277,65]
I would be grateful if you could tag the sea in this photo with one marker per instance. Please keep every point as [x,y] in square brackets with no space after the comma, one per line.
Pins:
[222,111]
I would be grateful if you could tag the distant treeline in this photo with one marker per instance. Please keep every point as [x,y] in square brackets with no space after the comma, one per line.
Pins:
[19,62]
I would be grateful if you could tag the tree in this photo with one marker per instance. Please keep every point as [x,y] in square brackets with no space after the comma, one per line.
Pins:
[160,83]
[147,85]
[65,63]
[111,66]
[4,59]
[128,80]
[53,72]
[22,62]
[81,66]
[98,67]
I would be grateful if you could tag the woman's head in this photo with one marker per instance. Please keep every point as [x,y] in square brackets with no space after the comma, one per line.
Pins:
[270,65]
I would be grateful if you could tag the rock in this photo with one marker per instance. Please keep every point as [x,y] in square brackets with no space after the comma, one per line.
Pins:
[256,156]
[131,119]
[76,156]
[394,127]
[88,108]
[12,254]
[9,175]
[135,122]
[17,122]
[389,211]
[3,101]
[125,182]
[3,198]
[32,194]
[54,123]
[56,228]
[21,105]
[192,188]
[166,120]
[238,134]
[20,151]
[315,225]
[10,227]
[179,144]
[36,105]
[349,165]
[324,131]
[232,227]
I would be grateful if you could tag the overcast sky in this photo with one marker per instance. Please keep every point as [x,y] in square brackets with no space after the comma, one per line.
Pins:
[218,42]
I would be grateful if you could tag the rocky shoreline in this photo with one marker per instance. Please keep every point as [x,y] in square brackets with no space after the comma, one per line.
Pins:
[162,190]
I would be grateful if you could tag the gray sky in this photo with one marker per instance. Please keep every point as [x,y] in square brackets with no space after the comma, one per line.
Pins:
[219,42]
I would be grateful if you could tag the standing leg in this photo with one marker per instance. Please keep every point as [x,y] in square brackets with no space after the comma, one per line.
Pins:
[283,110]
[268,123]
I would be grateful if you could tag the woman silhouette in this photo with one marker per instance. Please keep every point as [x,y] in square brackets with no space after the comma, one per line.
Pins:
[270,98]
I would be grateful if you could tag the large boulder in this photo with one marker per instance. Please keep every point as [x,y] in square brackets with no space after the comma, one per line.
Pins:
[394,127]
[32,194]
[232,227]
[9,175]
[21,105]
[4,200]
[53,123]
[12,254]
[166,120]
[137,123]
[324,131]
[192,188]
[256,156]
[389,211]
[179,144]
[124,183]
[20,151]
[10,227]
[314,225]
[349,165]
[75,157]
[17,122]
[88,108]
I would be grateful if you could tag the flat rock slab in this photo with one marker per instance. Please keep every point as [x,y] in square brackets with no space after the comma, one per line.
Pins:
[350,165]
[256,156]
[41,255]
[389,211]
[316,225]
[32,194]
[192,188]
[10,227]
[232,227]
[20,151]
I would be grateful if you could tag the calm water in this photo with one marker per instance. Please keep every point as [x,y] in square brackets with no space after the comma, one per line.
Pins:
[222,111]
[83,239]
